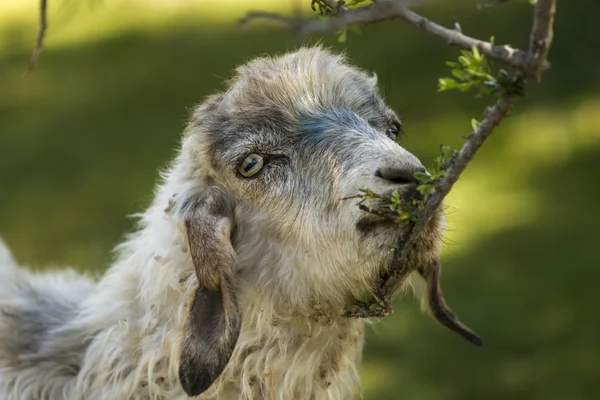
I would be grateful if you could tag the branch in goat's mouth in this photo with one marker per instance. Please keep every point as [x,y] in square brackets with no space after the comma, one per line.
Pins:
[439,309]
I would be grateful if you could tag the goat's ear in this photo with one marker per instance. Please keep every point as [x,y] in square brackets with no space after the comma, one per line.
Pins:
[437,305]
[213,322]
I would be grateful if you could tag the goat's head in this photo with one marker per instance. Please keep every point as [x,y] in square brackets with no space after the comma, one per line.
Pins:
[268,163]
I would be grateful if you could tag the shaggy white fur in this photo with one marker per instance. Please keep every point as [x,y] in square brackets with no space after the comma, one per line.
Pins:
[300,255]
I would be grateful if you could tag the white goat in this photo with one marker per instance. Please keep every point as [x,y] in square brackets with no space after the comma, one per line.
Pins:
[233,287]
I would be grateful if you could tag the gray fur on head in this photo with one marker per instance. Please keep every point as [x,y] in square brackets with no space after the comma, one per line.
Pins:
[234,285]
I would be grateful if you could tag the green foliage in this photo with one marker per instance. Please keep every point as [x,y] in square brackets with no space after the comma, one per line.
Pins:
[474,71]
[392,207]
[323,9]
[320,7]
[404,211]
[435,173]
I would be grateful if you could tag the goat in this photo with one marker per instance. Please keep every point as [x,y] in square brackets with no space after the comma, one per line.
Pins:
[235,282]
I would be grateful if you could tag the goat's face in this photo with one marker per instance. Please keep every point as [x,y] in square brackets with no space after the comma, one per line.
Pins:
[273,157]
[290,139]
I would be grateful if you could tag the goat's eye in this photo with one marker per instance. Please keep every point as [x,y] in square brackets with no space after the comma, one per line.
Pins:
[393,131]
[251,165]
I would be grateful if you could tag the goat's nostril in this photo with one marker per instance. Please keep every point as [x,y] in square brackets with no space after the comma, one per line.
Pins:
[398,176]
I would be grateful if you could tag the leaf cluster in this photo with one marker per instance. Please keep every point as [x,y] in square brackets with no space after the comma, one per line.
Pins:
[474,71]
[323,9]
[435,173]
[392,207]
[405,211]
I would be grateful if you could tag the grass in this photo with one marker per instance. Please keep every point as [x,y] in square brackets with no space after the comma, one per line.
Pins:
[82,139]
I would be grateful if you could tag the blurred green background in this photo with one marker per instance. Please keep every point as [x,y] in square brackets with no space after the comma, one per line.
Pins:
[82,139]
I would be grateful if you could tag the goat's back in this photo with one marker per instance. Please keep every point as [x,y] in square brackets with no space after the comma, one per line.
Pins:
[32,308]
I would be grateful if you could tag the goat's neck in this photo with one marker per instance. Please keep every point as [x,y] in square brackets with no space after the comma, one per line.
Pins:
[288,354]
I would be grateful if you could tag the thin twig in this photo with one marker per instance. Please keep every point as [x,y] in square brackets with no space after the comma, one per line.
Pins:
[541,35]
[489,3]
[385,10]
[292,23]
[41,34]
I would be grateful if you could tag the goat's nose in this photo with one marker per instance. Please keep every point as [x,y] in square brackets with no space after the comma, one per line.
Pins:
[399,176]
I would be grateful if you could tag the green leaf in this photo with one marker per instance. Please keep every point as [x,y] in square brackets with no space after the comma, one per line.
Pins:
[342,35]
[438,174]
[425,190]
[475,124]
[422,176]
[476,54]
[463,87]
[447,84]
[356,29]
[355,2]
[404,215]
[368,193]
[437,163]
[447,151]
[460,74]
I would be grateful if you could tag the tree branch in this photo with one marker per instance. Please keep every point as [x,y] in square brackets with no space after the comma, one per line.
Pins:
[385,10]
[541,38]
[541,35]
[494,115]
[41,34]
[292,23]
